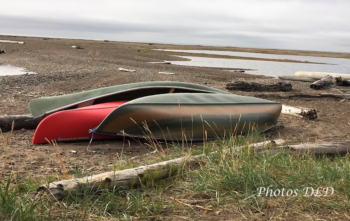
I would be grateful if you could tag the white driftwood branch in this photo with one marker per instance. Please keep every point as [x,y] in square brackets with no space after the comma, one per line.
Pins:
[320,74]
[116,178]
[303,112]
[132,176]
[296,78]
[12,42]
[165,72]
[76,47]
[126,70]
[257,147]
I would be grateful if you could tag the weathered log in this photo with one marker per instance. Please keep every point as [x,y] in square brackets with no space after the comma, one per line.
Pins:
[257,147]
[296,78]
[341,147]
[322,83]
[253,86]
[21,121]
[132,176]
[126,70]
[303,112]
[12,42]
[76,47]
[321,74]
[339,81]
[303,96]
[114,179]
[162,72]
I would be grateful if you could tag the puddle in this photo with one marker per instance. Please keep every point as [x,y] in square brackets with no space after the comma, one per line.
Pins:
[268,68]
[7,70]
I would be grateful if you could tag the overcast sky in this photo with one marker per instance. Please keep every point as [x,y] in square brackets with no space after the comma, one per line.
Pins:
[322,25]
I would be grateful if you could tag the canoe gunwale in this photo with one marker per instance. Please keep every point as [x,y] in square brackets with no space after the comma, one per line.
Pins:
[43,115]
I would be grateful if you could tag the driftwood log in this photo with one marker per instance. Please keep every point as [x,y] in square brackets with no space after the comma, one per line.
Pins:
[296,78]
[164,169]
[303,96]
[20,121]
[322,83]
[12,42]
[341,147]
[303,112]
[126,70]
[339,81]
[321,74]
[133,176]
[253,86]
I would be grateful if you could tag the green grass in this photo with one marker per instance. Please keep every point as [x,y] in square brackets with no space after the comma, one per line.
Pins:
[224,181]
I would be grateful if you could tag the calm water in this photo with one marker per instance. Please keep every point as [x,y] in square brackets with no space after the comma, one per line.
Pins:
[268,68]
[12,70]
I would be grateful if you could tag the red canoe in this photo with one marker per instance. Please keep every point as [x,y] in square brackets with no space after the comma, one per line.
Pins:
[73,125]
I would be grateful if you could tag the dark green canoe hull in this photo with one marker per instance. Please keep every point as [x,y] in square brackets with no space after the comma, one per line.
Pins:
[190,116]
[42,107]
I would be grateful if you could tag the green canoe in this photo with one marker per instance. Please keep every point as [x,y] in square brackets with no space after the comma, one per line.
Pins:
[41,107]
[190,116]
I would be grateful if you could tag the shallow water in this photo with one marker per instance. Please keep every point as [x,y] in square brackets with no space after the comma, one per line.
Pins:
[268,68]
[6,70]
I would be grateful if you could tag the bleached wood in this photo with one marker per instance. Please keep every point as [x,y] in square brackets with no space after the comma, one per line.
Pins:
[341,147]
[12,42]
[162,72]
[126,70]
[303,96]
[116,178]
[296,78]
[257,147]
[321,74]
[302,112]
[76,47]
[132,176]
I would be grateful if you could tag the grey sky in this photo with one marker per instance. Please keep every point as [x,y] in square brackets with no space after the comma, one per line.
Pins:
[291,24]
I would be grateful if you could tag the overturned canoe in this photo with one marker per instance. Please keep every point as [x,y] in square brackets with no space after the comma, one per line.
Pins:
[73,125]
[190,116]
[42,107]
